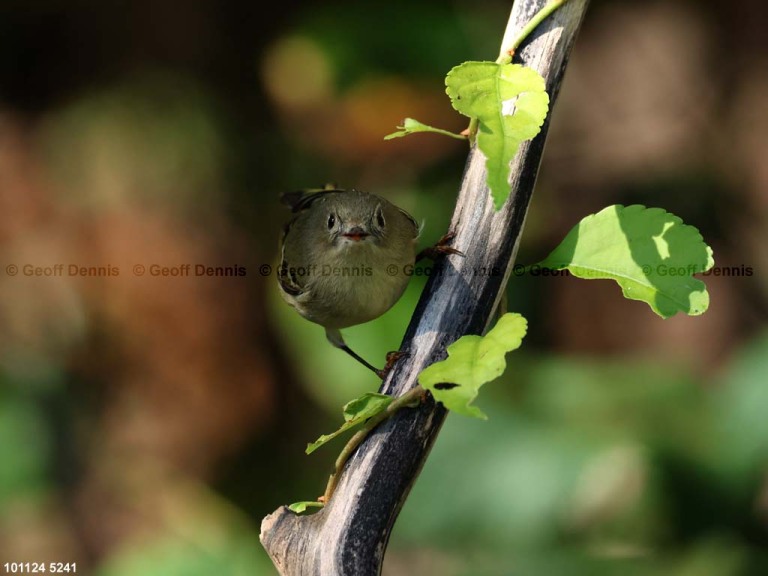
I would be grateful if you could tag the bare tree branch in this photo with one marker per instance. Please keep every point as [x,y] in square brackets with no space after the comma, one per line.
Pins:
[350,535]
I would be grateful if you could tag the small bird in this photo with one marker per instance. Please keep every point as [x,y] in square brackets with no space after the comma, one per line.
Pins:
[345,259]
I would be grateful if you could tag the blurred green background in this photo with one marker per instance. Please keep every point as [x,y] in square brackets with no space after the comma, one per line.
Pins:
[148,423]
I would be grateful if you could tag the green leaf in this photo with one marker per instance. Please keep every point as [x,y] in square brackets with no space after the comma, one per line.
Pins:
[411,126]
[355,412]
[472,361]
[510,104]
[300,507]
[649,252]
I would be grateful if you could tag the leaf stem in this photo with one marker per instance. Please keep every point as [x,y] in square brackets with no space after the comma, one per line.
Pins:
[407,399]
[472,130]
[508,51]
[447,133]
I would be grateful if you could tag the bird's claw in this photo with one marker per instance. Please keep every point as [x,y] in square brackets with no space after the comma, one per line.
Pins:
[392,357]
[441,248]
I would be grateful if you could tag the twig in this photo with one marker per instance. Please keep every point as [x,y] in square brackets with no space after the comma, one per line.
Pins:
[407,399]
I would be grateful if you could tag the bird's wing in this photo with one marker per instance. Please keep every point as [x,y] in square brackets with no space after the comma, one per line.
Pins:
[302,199]
[416,226]
[289,281]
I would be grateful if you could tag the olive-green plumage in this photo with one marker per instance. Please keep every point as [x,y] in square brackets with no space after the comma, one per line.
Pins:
[345,258]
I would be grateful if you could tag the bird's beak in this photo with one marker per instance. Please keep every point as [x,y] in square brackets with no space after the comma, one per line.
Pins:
[356,233]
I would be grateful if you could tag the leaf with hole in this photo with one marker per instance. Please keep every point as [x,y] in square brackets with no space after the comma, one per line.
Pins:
[510,104]
[473,361]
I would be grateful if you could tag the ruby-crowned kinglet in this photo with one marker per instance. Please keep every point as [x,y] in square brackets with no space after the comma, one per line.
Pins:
[345,259]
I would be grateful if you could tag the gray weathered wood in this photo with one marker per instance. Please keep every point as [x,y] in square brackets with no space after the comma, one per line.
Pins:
[349,536]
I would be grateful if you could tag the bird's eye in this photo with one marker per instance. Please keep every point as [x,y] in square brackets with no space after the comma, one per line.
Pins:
[331,221]
[380,217]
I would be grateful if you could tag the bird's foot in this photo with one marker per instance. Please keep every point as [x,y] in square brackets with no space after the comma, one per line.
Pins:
[441,248]
[392,357]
